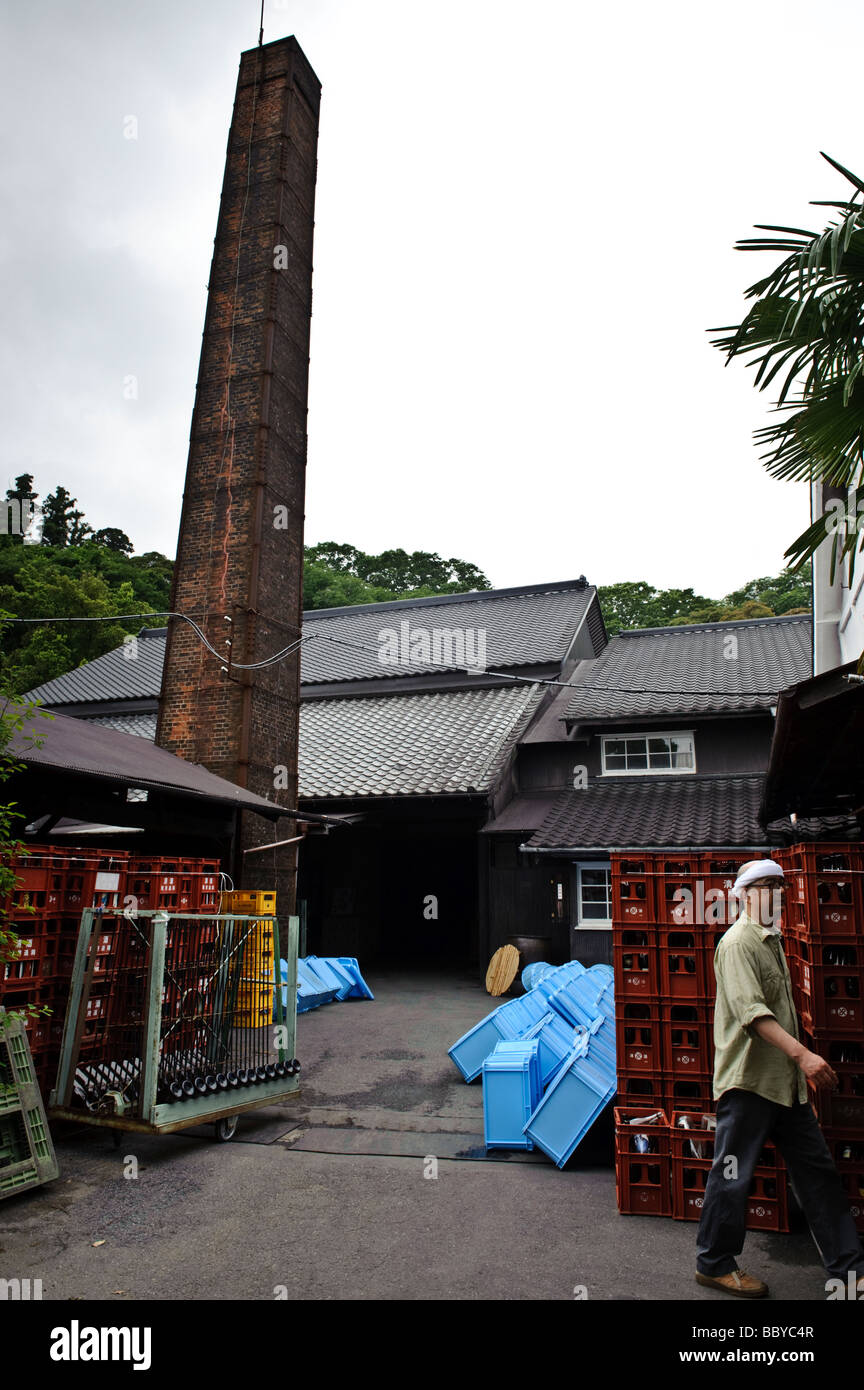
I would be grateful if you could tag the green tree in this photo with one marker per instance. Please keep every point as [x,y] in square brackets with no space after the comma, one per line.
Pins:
[337,574]
[34,653]
[57,512]
[805,332]
[635,604]
[113,539]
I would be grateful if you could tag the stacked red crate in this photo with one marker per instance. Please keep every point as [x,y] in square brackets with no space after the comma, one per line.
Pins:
[824,943]
[643,1181]
[54,884]
[691,1157]
[638,987]
[669,912]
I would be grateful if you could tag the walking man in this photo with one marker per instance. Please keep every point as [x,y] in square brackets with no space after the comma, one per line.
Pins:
[761,1070]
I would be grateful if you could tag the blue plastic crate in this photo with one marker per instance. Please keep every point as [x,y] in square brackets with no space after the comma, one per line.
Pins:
[556,1039]
[561,975]
[579,1093]
[326,981]
[584,999]
[534,973]
[324,970]
[472,1049]
[601,1039]
[343,975]
[511,1090]
[361,990]
[312,992]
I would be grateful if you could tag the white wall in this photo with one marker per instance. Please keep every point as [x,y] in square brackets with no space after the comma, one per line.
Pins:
[838,610]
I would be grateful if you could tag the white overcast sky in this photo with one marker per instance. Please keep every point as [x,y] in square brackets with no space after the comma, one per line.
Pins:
[524,226]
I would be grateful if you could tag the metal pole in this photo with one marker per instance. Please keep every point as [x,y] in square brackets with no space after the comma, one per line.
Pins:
[62,1093]
[153,1026]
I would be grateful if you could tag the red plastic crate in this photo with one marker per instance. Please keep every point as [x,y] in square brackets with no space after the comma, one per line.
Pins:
[642,1180]
[676,875]
[767,1204]
[719,910]
[825,904]
[632,888]
[637,1036]
[640,1088]
[822,856]
[848,1154]
[687,1033]
[37,960]
[843,1110]
[635,962]
[687,1093]
[682,963]
[829,998]
[208,886]
[682,1141]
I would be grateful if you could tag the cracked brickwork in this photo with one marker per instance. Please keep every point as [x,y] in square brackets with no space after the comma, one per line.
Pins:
[240,548]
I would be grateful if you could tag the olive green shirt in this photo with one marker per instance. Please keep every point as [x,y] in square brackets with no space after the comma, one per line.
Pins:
[753,982]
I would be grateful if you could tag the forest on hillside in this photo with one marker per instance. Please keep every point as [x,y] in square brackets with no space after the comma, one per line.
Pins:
[63,568]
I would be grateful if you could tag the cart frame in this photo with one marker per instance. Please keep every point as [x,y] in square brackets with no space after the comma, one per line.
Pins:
[167,1117]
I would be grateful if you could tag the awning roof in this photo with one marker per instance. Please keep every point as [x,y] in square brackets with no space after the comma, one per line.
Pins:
[816,764]
[78,747]
[650,812]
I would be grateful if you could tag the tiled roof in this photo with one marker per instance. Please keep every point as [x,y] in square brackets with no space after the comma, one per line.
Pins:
[520,627]
[521,815]
[118,675]
[527,626]
[704,667]
[77,747]
[141,725]
[398,745]
[642,812]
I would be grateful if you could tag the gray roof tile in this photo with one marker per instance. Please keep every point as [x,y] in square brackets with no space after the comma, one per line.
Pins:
[141,725]
[522,627]
[642,812]
[686,670]
[118,675]
[397,745]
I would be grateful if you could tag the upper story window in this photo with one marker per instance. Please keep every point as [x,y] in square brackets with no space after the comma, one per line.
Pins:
[629,754]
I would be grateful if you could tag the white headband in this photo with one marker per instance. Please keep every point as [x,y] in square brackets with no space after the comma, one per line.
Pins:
[760,868]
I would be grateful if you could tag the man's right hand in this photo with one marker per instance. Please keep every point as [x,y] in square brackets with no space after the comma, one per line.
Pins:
[817,1071]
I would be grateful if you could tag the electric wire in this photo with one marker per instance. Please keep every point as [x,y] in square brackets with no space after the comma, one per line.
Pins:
[577,687]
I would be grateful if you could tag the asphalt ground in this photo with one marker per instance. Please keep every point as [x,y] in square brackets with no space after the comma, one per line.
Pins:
[373,1185]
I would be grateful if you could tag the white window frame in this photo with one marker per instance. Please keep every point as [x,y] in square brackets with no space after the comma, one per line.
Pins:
[592,923]
[648,771]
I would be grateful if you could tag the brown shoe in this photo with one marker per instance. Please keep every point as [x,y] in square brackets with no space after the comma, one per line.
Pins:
[739,1284]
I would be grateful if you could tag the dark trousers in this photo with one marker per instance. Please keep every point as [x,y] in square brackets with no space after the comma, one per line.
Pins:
[744,1122]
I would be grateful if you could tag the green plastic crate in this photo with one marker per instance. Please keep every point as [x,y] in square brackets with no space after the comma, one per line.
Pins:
[27,1156]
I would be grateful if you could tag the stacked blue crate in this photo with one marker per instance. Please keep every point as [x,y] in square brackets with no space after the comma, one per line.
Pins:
[583,1088]
[570,1016]
[512,1088]
[321,979]
[556,1039]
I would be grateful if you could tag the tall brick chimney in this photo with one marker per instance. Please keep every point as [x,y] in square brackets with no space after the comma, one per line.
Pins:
[240,548]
